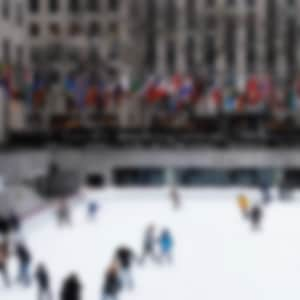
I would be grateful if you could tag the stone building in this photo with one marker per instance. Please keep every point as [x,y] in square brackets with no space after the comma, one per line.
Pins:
[217,37]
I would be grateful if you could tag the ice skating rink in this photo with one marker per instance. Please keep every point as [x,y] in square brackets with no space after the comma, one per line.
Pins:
[217,255]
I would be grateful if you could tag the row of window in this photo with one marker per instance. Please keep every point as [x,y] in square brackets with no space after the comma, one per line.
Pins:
[193,177]
[7,51]
[74,6]
[17,13]
[92,29]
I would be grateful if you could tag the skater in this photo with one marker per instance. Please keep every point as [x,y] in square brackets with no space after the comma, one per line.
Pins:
[4,227]
[92,210]
[166,244]
[175,198]
[112,283]
[244,205]
[63,213]
[149,245]
[256,216]
[265,189]
[24,259]
[3,263]
[14,222]
[71,289]
[43,282]
[125,256]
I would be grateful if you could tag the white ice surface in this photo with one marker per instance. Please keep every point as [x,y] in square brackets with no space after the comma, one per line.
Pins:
[217,255]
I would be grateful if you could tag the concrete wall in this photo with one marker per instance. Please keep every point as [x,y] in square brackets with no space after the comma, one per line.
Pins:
[18,165]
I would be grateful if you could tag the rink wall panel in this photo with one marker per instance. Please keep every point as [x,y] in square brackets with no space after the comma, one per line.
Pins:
[16,166]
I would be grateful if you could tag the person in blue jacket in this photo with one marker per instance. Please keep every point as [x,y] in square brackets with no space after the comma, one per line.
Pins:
[166,244]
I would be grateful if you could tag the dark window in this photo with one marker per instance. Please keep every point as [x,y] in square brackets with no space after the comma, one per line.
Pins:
[251,3]
[54,29]
[171,15]
[202,177]
[230,41]
[271,27]
[20,54]
[75,29]
[36,55]
[210,3]
[93,5]
[231,2]
[34,29]
[6,50]
[34,6]
[6,9]
[114,5]
[53,6]
[190,55]
[250,43]
[291,45]
[94,29]
[171,56]
[150,37]
[74,6]
[191,14]
[139,176]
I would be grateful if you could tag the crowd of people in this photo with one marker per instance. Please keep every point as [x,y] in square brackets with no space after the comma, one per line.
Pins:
[118,276]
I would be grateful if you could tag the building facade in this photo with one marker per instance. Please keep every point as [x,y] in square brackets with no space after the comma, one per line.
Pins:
[216,37]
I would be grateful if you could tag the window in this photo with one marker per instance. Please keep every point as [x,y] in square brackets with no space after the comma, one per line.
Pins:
[75,29]
[139,176]
[36,55]
[94,29]
[271,36]
[34,6]
[6,9]
[251,3]
[171,15]
[74,6]
[20,54]
[113,28]
[171,56]
[34,30]
[53,6]
[210,3]
[230,40]
[6,50]
[191,14]
[54,29]
[19,14]
[93,5]
[190,55]
[250,44]
[113,5]
[231,2]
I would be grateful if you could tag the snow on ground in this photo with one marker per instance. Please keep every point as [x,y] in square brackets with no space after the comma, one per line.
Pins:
[217,255]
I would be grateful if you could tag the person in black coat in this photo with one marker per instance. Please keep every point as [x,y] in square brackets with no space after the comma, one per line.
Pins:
[43,282]
[14,222]
[256,215]
[112,283]
[3,263]
[24,258]
[71,289]
[125,257]
[4,226]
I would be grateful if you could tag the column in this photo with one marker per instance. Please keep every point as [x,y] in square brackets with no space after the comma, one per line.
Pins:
[161,50]
[241,42]
[220,59]
[298,34]
[260,36]
[181,36]
[281,63]
[199,36]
